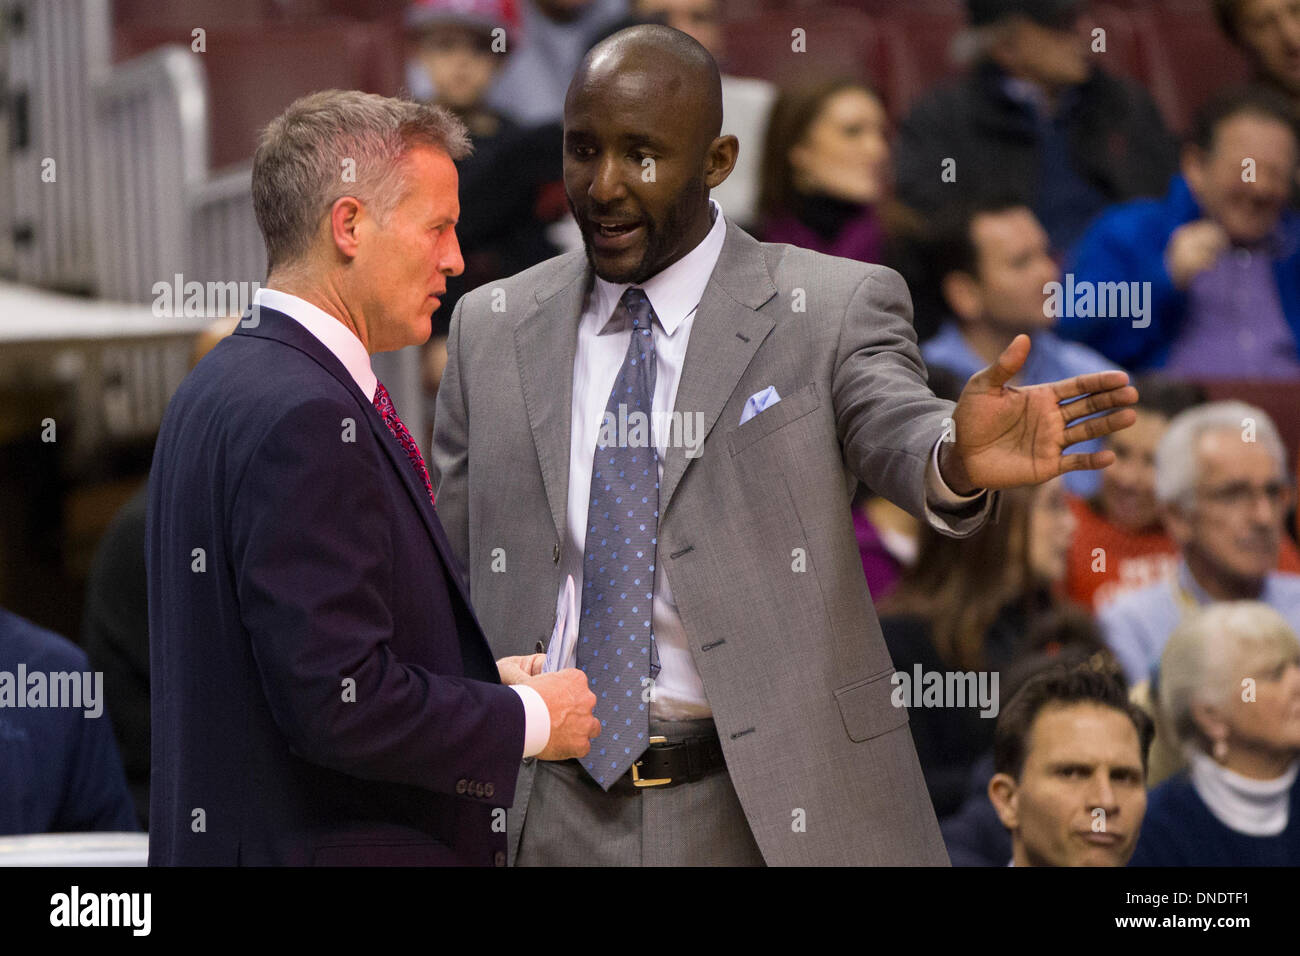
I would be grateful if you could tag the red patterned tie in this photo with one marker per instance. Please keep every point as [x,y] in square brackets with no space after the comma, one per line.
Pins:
[394,423]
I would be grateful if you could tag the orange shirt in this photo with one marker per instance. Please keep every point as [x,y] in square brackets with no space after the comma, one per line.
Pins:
[1105,560]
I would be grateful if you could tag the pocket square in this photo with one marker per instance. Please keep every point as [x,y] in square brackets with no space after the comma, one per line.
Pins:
[758,402]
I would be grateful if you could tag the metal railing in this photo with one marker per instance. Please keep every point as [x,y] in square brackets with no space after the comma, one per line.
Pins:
[56,50]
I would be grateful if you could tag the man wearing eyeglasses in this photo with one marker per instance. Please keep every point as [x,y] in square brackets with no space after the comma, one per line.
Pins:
[1222,487]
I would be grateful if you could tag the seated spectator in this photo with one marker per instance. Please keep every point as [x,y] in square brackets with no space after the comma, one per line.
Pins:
[1034,118]
[1070,770]
[1121,544]
[545,51]
[991,262]
[1219,255]
[504,218]
[974,836]
[1230,690]
[746,101]
[1268,32]
[971,604]
[1222,487]
[825,170]
[61,770]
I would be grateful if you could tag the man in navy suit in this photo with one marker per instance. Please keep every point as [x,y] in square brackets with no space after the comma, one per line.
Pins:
[322,691]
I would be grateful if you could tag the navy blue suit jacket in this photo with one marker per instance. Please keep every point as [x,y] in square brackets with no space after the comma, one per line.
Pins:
[322,692]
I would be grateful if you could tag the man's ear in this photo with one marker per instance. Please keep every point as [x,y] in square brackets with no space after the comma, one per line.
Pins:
[721,160]
[1004,796]
[962,293]
[345,223]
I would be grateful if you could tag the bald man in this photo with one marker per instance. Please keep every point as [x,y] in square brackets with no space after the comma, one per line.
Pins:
[742,683]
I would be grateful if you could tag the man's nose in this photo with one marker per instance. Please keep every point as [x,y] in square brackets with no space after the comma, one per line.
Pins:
[607,184]
[450,261]
[1101,793]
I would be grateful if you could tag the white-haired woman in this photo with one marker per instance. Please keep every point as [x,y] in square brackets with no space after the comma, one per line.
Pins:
[1229,688]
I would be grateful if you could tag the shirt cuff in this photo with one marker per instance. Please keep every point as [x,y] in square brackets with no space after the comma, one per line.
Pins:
[537,720]
[937,492]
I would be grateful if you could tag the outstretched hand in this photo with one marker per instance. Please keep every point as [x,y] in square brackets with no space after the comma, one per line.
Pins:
[1004,436]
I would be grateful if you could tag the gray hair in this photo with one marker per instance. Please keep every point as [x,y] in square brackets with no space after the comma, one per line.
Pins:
[301,163]
[1202,660]
[1176,455]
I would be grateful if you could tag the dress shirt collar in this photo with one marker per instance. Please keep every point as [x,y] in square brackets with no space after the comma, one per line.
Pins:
[333,334]
[676,291]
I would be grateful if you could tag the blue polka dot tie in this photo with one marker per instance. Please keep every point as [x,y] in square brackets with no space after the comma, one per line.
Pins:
[615,636]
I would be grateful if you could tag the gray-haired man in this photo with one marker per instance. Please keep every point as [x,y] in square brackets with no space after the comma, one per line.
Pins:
[1221,481]
[322,692]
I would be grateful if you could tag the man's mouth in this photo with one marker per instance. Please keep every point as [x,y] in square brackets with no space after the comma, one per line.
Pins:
[615,235]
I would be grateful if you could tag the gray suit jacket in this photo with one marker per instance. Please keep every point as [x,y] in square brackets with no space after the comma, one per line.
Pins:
[792,661]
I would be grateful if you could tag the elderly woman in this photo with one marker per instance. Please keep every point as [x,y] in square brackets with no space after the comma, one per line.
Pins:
[1229,689]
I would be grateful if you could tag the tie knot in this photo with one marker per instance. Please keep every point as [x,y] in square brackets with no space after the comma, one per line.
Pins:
[638,306]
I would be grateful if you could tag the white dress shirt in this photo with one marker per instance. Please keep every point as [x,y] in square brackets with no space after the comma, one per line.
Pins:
[344,345]
[674,294]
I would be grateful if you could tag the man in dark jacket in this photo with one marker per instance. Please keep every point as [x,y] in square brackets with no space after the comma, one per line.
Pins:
[1034,118]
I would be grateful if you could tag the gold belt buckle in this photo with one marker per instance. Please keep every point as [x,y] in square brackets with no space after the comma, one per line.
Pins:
[637,781]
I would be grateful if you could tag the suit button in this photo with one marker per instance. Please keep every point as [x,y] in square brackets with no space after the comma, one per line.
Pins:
[499,858]
[462,785]
[488,790]
[555,554]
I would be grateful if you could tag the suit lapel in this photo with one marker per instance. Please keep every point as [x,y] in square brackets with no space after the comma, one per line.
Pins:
[724,337]
[279,327]
[546,340]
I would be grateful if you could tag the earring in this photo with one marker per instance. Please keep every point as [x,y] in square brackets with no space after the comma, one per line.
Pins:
[1221,750]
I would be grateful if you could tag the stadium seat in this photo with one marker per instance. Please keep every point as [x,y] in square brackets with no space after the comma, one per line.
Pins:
[838,42]
[255,71]
[919,42]
[1188,49]
[192,13]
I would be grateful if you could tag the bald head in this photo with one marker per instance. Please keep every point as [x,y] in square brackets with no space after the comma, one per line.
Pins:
[642,150]
[671,66]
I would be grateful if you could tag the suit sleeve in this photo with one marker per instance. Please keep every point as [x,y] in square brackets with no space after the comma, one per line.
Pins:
[888,419]
[312,559]
[449,461]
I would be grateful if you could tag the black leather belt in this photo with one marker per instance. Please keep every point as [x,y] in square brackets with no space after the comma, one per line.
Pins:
[685,760]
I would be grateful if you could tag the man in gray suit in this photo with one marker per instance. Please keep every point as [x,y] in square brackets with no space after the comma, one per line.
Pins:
[723,607]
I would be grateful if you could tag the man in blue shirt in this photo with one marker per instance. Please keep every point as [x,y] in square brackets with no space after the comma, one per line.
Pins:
[993,268]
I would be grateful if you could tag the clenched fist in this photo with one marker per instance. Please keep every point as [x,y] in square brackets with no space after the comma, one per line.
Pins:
[1192,249]
[570,701]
